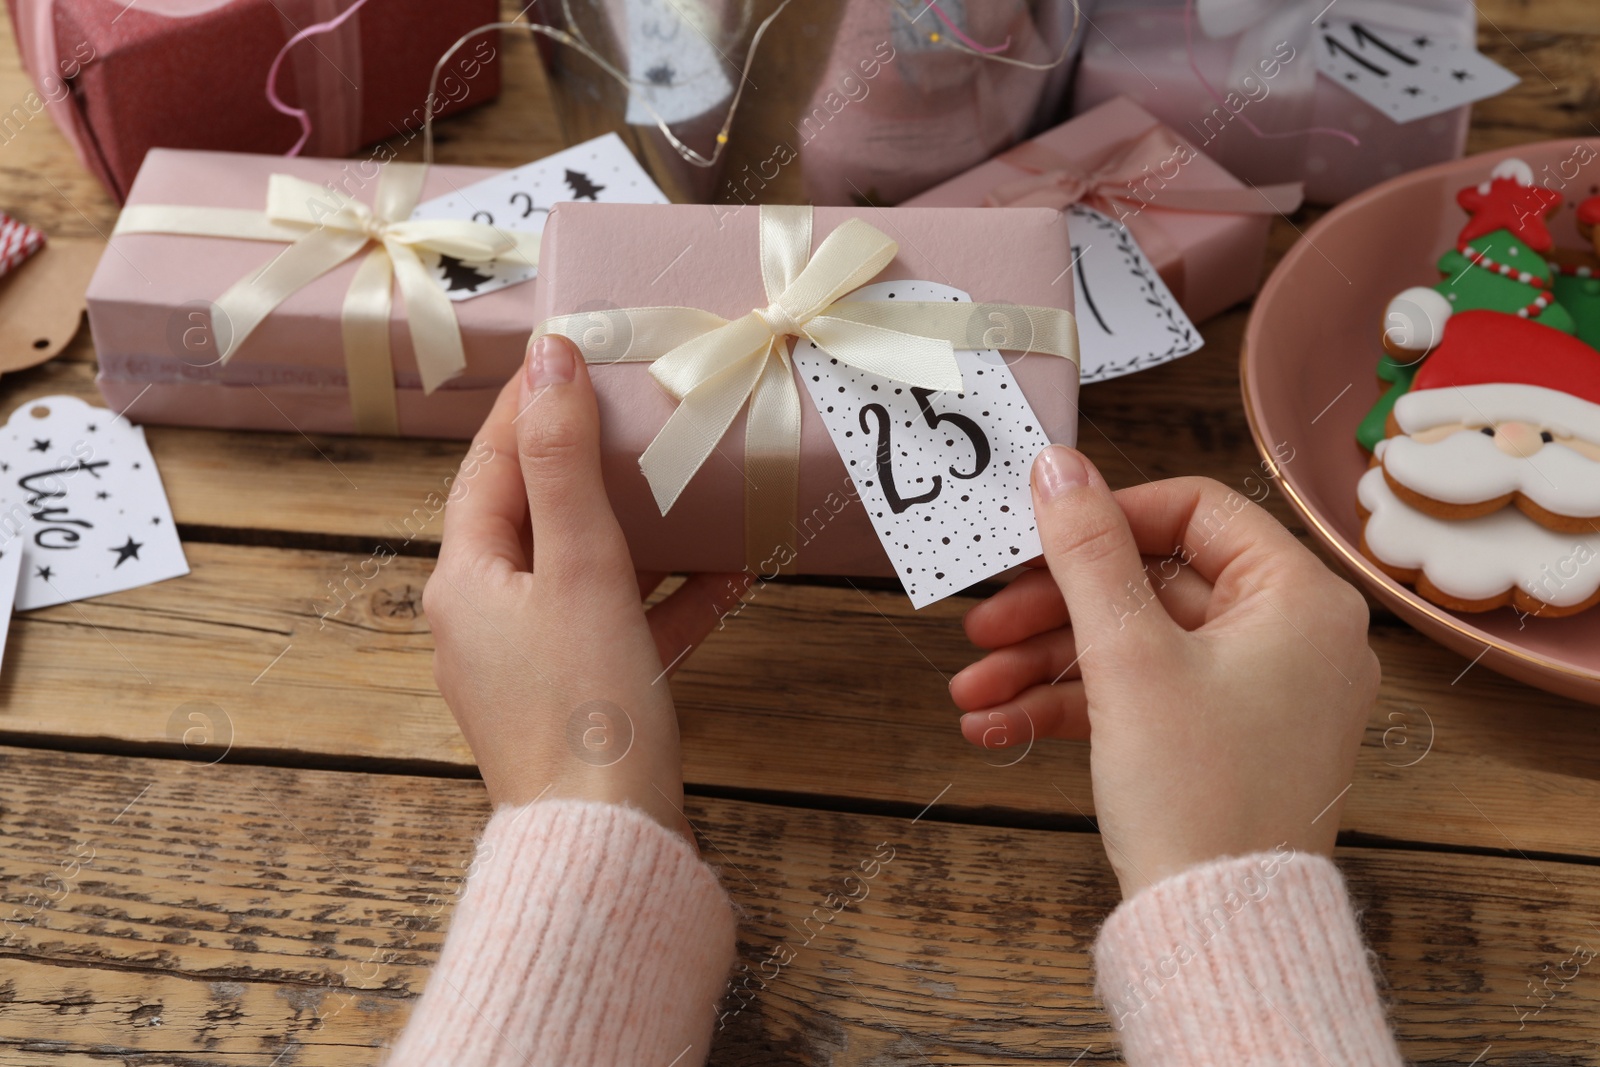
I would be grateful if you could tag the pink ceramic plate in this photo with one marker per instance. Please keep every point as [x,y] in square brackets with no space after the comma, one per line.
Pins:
[1308,374]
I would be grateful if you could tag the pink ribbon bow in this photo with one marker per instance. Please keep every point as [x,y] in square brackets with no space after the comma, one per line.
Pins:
[1134,175]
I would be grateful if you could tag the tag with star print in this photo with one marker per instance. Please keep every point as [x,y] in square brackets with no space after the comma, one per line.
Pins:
[520,200]
[82,501]
[1407,76]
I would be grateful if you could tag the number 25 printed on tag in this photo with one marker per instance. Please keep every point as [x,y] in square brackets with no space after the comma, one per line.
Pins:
[944,476]
[1407,76]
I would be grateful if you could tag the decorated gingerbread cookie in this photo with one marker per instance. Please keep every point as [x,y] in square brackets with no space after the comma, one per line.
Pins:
[1497,560]
[1576,282]
[1487,490]
[1498,263]
[1504,412]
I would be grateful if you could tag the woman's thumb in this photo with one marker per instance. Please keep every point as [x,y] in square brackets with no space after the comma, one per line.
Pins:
[1091,551]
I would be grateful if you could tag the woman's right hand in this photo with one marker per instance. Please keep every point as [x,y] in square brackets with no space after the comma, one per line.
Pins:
[1221,672]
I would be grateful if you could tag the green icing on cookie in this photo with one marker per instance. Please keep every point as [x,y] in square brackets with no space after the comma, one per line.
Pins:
[1581,298]
[1469,287]
[1374,427]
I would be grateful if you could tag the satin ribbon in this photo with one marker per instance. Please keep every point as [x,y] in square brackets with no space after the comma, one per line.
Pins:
[324,228]
[1055,181]
[716,367]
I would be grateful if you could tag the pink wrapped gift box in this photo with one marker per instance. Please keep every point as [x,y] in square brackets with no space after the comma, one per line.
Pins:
[1136,48]
[603,257]
[121,78]
[1210,260]
[150,290]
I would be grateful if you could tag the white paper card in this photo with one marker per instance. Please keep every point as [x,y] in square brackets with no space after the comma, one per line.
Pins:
[1128,319]
[944,476]
[602,170]
[10,569]
[81,497]
[672,65]
[1407,76]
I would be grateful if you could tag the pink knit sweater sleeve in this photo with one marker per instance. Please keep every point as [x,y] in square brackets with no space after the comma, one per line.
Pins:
[589,935]
[1254,961]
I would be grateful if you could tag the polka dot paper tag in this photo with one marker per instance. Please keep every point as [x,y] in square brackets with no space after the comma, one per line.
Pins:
[944,476]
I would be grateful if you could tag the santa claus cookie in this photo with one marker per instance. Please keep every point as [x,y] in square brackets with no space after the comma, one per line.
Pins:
[1487,491]
[1498,263]
[1505,412]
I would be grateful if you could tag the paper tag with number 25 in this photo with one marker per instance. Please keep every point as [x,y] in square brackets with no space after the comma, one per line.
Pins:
[944,476]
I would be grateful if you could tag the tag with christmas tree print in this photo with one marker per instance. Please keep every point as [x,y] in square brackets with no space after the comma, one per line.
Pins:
[602,170]
[943,476]
[82,501]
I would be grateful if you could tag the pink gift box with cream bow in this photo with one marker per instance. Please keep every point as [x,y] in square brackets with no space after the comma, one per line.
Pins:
[600,259]
[1203,230]
[150,312]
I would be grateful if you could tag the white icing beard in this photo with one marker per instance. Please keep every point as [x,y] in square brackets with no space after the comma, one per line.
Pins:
[1466,467]
[1563,414]
[1479,559]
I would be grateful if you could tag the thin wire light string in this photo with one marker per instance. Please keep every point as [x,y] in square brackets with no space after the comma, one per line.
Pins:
[579,44]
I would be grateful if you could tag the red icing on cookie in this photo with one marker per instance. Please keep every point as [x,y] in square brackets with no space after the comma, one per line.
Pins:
[1509,205]
[1488,347]
[1589,211]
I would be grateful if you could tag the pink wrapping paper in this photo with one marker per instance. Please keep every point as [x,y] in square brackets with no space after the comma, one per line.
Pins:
[1218,256]
[289,374]
[597,257]
[1136,49]
[120,78]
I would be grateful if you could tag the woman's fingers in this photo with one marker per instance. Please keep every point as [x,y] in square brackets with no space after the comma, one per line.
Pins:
[575,533]
[1005,672]
[686,615]
[1045,711]
[1095,559]
[1205,524]
[488,508]
[1032,604]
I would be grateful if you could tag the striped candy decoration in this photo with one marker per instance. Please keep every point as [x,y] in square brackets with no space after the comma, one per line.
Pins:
[18,241]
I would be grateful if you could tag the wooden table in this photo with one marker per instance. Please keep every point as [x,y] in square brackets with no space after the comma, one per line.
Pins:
[234,836]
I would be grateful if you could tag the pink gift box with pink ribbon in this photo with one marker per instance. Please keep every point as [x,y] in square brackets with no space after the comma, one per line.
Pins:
[1266,76]
[1203,229]
[121,78]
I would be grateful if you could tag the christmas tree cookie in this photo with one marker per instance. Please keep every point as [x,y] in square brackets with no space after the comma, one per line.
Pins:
[1577,276]
[1497,265]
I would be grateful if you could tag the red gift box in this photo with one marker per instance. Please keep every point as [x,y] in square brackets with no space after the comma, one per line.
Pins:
[120,79]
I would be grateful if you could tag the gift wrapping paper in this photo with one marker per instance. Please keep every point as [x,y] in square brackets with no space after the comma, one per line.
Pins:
[120,79]
[1210,260]
[152,290]
[1136,48]
[601,258]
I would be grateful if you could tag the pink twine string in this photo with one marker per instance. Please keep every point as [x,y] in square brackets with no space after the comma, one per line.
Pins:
[299,114]
[1194,65]
[987,50]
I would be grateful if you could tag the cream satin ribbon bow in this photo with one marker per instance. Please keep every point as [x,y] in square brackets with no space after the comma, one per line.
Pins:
[323,229]
[715,367]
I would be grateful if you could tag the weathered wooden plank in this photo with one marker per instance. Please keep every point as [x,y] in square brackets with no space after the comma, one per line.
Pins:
[806,691]
[236,914]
